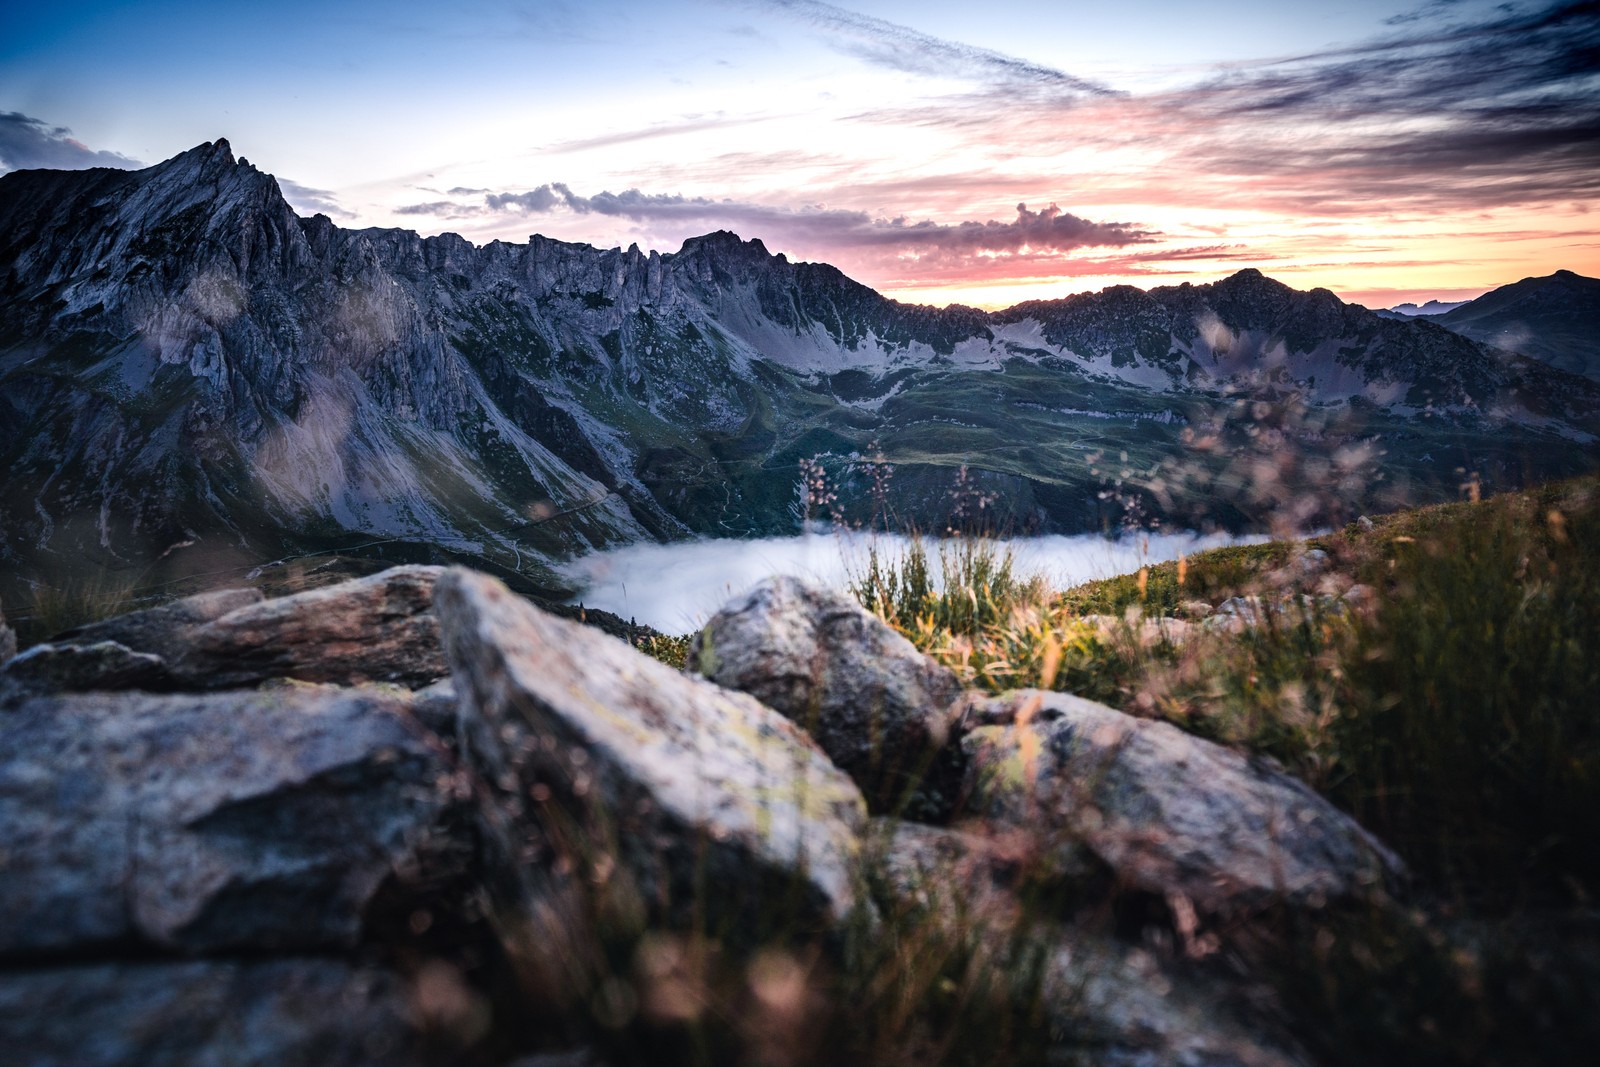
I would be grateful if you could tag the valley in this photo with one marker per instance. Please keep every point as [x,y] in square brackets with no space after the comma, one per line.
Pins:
[196,380]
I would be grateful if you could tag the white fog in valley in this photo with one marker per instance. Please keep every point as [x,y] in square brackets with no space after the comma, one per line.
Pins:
[677,587]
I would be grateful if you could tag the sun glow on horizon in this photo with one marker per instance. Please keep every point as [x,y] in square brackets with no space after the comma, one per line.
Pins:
[1375,148]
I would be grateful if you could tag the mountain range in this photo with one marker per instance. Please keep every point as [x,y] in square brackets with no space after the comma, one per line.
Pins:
[196,380]
[1412,310]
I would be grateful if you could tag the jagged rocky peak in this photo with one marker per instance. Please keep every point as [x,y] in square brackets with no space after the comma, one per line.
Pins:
[218,152]
[724,259]
[726,243]
[117,233]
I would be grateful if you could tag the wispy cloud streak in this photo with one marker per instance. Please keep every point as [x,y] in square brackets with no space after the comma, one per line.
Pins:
[1506,111]
[1379,155]
[1467,117]
[902,48]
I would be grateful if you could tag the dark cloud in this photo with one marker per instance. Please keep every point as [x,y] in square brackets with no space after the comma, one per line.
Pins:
[1522,66]
[1437,115]
[440,209]
[26,143]
[902,48]
[1432,10]
[1505,111]
[1049,229]
[536,201]
[304,198]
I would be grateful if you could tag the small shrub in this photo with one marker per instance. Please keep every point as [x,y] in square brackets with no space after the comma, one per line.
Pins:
[997,630]
[669,649]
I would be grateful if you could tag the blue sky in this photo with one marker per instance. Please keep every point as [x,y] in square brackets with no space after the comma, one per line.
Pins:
[1376,148]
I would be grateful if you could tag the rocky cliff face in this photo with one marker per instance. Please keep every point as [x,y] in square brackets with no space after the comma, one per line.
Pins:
[192,371]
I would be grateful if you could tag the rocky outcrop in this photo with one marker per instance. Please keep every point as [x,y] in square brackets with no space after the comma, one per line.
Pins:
[375,629]
[1170,813]
[83,668]
[557,837]
[629,768]
[879,708]
[200,823]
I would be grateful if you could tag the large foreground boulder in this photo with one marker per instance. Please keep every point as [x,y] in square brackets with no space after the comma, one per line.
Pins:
[878,707]
[209,1013]
[375,629]
[1170,813]
[699,804]
[258,820]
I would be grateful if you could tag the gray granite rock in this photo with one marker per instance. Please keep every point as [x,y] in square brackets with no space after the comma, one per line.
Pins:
[878,707]
[208,1013]
[75,668]
[699,803]
[375,629]
[160,630]
[1104,1001]
[263,820]
[1170,813]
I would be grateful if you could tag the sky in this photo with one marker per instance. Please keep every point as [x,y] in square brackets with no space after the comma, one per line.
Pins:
[980,153]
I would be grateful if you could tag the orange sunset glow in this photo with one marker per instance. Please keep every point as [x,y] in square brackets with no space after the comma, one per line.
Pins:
[1383,150]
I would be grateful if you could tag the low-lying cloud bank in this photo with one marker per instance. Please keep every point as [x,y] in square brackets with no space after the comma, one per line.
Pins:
[677,587]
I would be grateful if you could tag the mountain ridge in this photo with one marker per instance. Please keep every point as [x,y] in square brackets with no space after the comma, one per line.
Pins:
[1554,318]
[186,359]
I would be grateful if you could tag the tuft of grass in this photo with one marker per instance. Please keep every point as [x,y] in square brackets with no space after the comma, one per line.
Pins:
[1267,688]
[996,629]
[75,601]
[977,586]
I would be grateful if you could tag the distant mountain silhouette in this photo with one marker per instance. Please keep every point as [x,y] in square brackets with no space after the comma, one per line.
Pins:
[1555,319]
[1432,307]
